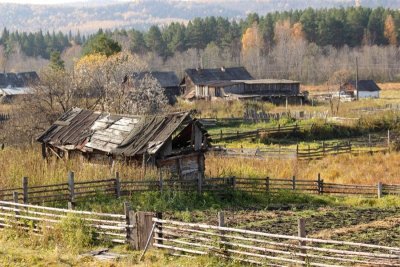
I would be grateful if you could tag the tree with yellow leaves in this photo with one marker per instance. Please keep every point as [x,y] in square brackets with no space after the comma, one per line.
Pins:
[390,30]
[251,39]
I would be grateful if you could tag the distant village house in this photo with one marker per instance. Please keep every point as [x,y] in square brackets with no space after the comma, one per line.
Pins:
[366,89]
[14,85]
[237,83]
[175,141]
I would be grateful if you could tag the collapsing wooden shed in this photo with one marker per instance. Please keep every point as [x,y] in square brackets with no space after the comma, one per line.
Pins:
[174,141]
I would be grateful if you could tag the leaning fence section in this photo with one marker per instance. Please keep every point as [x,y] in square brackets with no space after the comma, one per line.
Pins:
[188,239]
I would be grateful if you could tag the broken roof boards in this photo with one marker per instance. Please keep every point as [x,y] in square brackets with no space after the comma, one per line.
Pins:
[124,135]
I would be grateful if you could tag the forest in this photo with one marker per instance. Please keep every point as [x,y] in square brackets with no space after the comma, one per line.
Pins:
[286,41]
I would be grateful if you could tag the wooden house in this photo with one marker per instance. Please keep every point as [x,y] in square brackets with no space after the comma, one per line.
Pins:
[174,141]
[366,89]
[196,82]
[237,83]
[166,79]
[14,85]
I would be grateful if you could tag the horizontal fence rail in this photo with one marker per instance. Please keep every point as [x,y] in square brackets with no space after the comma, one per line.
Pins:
[189,239]
[307,153]
[73,191]
[271,131]
[107,227]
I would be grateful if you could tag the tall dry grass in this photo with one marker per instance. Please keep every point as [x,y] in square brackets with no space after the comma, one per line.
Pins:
[362,169]
[16,163]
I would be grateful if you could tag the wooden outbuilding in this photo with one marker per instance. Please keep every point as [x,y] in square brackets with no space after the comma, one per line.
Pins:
[237,83]
[174,141]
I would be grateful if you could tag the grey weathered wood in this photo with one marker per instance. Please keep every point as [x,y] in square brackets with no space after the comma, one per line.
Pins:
[71,186]
[144,228]
[199,183]
[161,184]
[159,227]
[301,230]
[15,199]
[221,219]
[233,182]
[71,206]
[267,184]
[294,182]
[25,189]
[129,220]
[380,187]
[117,185]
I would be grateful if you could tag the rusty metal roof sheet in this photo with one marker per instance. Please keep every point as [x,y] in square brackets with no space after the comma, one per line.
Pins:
[114,134]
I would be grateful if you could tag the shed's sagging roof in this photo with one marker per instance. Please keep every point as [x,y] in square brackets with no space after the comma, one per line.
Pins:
[164,78]
[114,134]
[365,85]
[202,76]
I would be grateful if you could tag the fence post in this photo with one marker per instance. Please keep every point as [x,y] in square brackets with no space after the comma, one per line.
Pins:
[294,183]
[267,184]
[380,187]
[388,140]
[161,184]
[70,205]
[199,183]
[15,200]
[323,148]
[220,135]
[233,182]
[129,220]
[301,228]
[117,185]
[320,184]
[71,186]
[25,189]
[159,233]
[221,219]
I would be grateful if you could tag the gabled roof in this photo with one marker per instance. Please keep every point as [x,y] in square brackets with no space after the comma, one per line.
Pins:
[365,85]
[113,134]
[164,78]
[18,81]
[202,76]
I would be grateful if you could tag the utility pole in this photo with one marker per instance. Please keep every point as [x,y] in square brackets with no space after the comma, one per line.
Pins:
[357,78]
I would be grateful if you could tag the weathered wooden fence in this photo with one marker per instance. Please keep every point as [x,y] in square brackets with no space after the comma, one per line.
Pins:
[189,239]
[224,136]
[107,227]
[306,153]
[4,117]
[73,191]
[132,227]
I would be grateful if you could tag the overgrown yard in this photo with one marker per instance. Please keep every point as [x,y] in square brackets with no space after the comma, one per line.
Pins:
[370,221]
[20,162]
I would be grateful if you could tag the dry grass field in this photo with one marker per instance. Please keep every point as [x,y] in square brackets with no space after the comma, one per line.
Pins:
[362,169]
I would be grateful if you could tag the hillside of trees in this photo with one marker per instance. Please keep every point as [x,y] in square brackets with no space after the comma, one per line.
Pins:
[281,44]
[87,15]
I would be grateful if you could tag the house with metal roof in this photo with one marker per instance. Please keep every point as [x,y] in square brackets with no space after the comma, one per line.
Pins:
[175,141]
[366,89]
[13,85]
